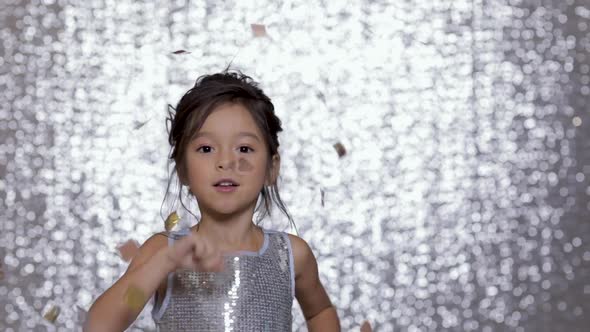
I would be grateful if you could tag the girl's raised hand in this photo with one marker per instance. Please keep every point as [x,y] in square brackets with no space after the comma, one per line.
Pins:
[366,327]
[195,252]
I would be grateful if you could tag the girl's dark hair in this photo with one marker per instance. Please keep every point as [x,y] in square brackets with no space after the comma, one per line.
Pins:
[209,92]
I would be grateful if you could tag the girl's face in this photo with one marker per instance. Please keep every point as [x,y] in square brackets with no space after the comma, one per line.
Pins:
[229,145]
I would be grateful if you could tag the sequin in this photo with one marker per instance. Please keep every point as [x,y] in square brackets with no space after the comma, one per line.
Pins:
[253,293]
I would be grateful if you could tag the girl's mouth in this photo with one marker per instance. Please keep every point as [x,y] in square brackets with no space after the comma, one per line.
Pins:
[226,188]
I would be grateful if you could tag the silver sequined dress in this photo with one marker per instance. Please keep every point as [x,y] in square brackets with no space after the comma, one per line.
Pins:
[254,292]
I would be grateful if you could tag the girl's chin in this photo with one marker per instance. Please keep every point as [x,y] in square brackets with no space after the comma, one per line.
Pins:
[226,205]
[226,210]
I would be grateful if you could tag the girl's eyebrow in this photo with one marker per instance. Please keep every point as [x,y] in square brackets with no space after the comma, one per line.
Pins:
[240,134]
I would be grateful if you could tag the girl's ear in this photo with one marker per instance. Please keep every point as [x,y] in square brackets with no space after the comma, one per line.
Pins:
[182,175]
[275,166]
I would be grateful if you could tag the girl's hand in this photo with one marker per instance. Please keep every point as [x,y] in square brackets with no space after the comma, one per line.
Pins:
[366,327]
[195,252]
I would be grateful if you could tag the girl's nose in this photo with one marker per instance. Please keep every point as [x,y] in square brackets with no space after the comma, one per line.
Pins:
[229,165]
[226,162]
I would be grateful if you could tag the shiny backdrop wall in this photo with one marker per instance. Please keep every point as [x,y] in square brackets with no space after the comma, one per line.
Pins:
[461,203]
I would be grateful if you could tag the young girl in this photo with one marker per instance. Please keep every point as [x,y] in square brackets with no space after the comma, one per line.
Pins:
[225,273]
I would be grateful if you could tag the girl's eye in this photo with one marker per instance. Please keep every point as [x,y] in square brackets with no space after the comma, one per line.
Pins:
[205,149]
[245,149]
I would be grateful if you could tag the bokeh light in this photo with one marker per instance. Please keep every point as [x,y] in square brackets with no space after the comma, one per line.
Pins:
[461,202]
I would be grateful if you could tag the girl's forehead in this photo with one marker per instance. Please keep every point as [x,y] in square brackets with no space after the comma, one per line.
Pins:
[214,135]
[229,119]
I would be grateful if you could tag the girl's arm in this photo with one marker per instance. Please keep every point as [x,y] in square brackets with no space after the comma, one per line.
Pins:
[147,271]
[311,295]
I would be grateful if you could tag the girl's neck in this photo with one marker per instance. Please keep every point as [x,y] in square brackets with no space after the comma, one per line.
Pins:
[230,235]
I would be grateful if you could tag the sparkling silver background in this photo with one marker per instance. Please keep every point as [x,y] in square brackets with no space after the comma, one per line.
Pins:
[461,205]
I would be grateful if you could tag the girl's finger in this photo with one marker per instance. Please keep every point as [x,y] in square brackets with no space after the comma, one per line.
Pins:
[212,264]
[180,250]
[206,248]
[366,327]
[210,257]
[197,247]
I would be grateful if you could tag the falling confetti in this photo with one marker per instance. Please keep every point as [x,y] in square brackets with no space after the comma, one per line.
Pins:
[181,52]
[321,96]
[51,314]
[171,221]
[322,194]
[340,149]
[128,250]
[141,124]
[258,30]
[135,298]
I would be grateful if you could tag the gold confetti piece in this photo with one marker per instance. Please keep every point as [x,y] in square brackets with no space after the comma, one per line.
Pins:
[340,149]
[259,30]
[52,314]
[128,250]
[181,52]
[171,221]
[135,298]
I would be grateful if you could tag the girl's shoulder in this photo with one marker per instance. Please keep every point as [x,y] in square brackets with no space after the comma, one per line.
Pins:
[156,241]
[298,244]
[301,251]
[302,254]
